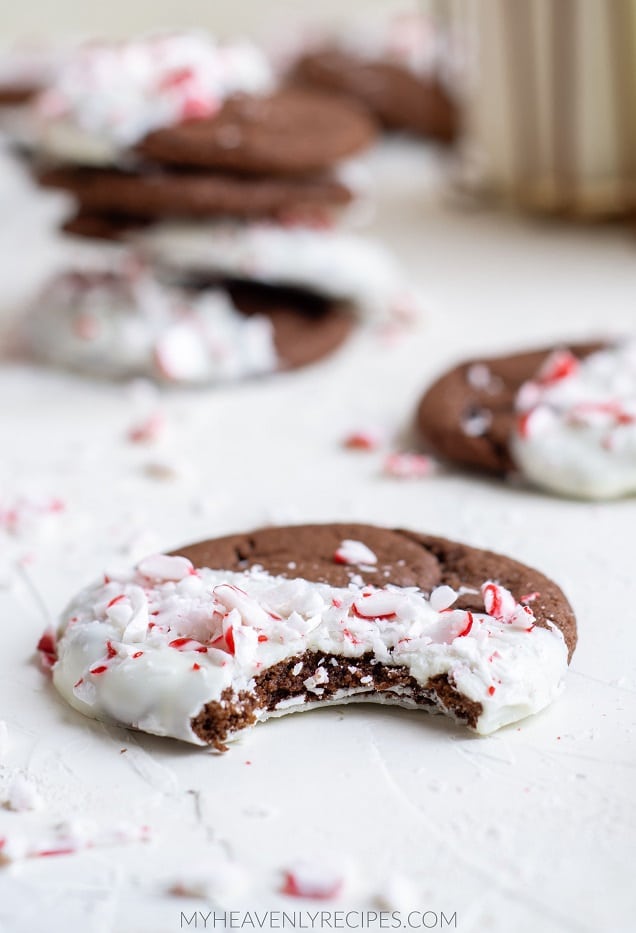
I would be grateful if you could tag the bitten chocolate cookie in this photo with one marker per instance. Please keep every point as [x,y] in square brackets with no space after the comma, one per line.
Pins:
[205,642]
[565,418]
[399,98]
[148,193]
[292,131]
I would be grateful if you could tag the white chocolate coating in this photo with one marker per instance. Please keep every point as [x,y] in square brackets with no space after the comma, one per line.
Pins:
[110,95]
[126,324]
[325,261]
[152,647]
[576,430]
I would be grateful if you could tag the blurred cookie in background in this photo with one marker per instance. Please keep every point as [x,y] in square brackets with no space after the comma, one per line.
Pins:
[181,126]
[213,304]
[563,417]
[398,66]
[122,322]
[158,193]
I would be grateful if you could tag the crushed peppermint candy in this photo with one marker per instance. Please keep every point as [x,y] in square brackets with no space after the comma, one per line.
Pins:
[476,422]
[479,376]
[365,439]
[314,882]
[409,466]
[47,649]
[149,430]
[160,568]
[145,328]
[25,515]
[68,839]
[109,95]
[354,552]
[575,430]
[442,597]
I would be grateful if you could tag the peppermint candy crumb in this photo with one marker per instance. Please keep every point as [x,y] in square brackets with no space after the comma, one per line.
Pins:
[354,552]
[409,466]
[313,882]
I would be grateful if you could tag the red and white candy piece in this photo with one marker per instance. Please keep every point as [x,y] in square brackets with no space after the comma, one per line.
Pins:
[67,840]
[442,597]
[312,881]
[247,609]
[501,605]
[381,604]
[149,430]
[354,552]
[364,439]
[47,649]
[561,364]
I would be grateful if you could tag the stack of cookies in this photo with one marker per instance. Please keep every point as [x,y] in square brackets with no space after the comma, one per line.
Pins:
[226,187]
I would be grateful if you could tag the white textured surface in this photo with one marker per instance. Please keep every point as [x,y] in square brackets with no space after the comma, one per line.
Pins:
[531,829]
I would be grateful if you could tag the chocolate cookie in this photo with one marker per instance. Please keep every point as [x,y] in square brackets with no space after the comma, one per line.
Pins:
[293,131]
[305,327]
[150,194]
[125,323]
[398,97]
[468,414]
[12,95]
[220,635]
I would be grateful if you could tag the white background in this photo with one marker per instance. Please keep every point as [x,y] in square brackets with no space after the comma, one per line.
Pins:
[530,829]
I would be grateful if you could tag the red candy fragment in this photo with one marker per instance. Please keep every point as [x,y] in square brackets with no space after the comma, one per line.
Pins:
[468,627]
[559,365]
[364,439]
[187,644]
[147,431]
[311,883]
[529,597]
[48,649]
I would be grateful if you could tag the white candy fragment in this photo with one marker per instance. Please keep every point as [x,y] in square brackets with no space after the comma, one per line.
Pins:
[161,567]
[442,597]
[354,552]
